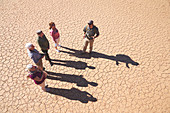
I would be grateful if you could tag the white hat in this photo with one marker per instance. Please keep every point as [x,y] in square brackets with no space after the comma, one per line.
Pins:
[29,66]
[28,45]
[39,31]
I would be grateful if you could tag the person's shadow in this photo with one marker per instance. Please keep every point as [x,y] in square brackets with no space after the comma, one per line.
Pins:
[79,80]
[118,58]
[76,53]
[126,59]
[73,94]
[72,64]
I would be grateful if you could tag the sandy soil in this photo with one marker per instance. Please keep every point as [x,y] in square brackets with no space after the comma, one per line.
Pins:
[136,29]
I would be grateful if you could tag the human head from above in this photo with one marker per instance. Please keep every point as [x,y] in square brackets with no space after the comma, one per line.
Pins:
[52,25]
[40,33]
[29,46]
[90,23]
[31,67]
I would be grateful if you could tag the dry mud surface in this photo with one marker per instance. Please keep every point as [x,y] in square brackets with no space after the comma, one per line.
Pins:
[136,29]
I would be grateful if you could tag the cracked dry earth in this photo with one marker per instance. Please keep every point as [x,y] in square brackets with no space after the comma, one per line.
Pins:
[130,31]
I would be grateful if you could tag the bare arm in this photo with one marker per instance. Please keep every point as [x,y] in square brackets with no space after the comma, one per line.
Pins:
[39,79]
[45,74]
[84,35]
[39,68]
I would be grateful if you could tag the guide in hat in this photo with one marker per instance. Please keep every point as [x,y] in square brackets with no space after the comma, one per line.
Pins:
[90,33]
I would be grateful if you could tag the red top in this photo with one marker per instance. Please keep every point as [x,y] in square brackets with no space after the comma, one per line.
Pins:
[39,74]
[54,33]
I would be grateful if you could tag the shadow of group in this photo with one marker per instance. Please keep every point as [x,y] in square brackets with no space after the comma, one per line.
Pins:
[74,93]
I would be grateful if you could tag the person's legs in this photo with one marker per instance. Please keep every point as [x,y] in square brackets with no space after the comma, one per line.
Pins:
[56,44]
[42,86]
[40,64]
[85,44]
[46,54]
[91,45]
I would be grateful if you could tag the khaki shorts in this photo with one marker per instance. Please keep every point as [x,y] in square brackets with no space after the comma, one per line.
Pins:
[40,64]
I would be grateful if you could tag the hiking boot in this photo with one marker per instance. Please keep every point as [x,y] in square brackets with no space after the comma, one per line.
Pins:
[47,89]
[51,64]
[46,86]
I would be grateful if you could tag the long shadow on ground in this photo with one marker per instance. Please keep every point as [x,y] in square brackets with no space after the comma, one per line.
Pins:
[79,80]
[73,94]
[118,58]
[72,64]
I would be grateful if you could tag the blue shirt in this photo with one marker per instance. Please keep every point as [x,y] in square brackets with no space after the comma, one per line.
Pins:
[34,55]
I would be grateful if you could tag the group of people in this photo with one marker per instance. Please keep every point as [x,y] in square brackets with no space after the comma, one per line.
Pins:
[37,72]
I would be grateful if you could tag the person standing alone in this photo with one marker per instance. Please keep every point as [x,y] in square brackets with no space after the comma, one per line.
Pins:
[44,45]
[90,33]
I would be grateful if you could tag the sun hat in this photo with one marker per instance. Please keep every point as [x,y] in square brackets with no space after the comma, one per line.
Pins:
[90,22]
[29,66]
[39,31]
[28,45]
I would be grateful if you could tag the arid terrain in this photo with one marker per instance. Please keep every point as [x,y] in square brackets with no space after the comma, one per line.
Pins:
[109,81]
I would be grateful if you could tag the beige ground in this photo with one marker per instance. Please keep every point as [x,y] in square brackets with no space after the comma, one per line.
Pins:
[136,28]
